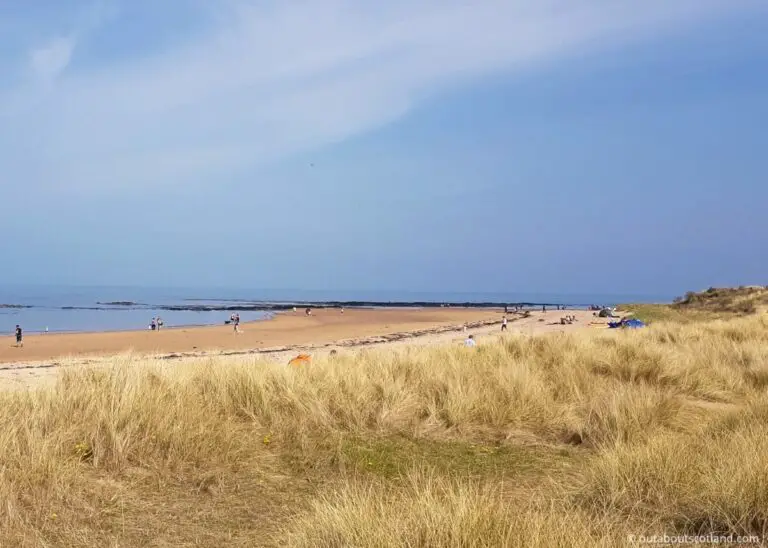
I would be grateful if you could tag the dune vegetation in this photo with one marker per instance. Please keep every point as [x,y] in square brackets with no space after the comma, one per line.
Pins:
[711,304]
[576,439]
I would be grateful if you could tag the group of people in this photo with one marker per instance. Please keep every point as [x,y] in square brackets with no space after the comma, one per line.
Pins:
[157,323]
[519,307]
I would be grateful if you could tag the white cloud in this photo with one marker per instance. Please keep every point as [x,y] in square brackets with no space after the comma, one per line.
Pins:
[50,61]
[268,82]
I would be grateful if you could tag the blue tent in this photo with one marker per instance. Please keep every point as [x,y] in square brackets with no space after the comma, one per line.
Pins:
[632,324]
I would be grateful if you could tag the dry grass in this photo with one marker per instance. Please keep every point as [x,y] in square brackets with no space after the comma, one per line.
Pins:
[563,440]
[430,510]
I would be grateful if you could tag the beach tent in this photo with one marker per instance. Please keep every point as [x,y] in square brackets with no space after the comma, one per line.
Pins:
[631,324]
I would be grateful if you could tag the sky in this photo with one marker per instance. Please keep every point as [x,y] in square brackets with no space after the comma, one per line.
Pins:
[592,146]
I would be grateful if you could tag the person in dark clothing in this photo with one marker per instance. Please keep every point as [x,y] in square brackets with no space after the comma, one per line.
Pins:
[19,336]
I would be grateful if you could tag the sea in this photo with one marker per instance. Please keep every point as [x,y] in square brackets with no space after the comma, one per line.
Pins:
[116,308]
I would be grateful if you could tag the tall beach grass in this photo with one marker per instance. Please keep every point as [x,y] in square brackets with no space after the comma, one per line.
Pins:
[577,439]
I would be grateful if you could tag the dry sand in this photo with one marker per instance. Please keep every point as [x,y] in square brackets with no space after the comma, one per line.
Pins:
[280,338]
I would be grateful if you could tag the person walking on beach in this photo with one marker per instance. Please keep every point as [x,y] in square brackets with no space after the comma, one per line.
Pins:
[159,323]
[236,322]
[153,324]
[19,336]
[504,324]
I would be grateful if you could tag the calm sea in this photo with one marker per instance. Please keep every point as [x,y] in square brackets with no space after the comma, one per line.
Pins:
[62,309]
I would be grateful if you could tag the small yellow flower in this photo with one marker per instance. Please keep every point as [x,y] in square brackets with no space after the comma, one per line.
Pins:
[54,516]
[267,439]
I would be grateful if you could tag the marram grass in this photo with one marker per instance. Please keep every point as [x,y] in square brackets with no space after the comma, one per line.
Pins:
[576,439]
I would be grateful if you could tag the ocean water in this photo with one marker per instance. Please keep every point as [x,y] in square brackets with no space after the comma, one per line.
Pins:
[77,309]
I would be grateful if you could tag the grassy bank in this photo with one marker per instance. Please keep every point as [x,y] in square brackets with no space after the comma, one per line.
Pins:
[709,305]
[575,439]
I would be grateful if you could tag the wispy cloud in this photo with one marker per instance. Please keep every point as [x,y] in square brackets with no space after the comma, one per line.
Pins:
[49,61]
[265,82]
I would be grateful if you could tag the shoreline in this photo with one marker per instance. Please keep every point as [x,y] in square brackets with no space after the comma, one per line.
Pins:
[268,317]
[354,343]
[282,329]
[278,306]
[259,312]
[23,372]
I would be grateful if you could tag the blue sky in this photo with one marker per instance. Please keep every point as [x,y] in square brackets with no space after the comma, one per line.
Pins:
[521,145]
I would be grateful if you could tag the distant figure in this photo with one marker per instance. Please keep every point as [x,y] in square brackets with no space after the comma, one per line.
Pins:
[506,309]
[465,328]
[19,336]
[159,323]
[46,329]
[504,324]
[294,310]
[236,322]
[153,324]
[470,341]
[308,311]
[543,308]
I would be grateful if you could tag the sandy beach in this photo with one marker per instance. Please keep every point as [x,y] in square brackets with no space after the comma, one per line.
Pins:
[278,338]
